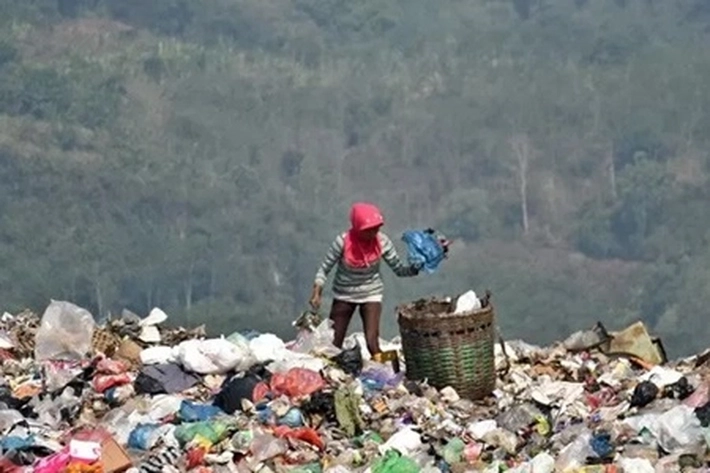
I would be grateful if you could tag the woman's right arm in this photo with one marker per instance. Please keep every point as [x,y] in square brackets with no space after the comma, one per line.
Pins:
[332,256]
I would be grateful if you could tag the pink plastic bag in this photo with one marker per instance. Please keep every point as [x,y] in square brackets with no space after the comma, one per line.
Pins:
[54,463]
[700,397]
[103,382]
[109,366]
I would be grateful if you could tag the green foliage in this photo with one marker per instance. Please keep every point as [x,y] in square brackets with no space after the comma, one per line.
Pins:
[201,155]
[82,94]
[8,52]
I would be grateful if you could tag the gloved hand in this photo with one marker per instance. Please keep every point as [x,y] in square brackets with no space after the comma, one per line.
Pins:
[416,268]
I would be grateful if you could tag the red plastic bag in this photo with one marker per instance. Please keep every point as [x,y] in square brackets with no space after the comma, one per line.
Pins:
[196,457]
[260,391]
[305,434]
[297,382]
[103,382]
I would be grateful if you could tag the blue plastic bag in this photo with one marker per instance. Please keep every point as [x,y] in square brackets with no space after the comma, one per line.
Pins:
[193,412]
[425,249]
[143,437]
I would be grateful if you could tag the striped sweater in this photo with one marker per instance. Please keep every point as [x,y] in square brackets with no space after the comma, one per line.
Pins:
[360,285]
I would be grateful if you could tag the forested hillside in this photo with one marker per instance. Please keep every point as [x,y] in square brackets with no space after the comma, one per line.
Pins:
[199,155]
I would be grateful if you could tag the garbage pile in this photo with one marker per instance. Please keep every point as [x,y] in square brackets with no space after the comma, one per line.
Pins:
[136,396]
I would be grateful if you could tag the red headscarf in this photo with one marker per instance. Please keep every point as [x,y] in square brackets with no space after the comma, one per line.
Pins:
[359,252]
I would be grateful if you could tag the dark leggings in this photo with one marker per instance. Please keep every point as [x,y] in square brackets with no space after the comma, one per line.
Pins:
[341,312]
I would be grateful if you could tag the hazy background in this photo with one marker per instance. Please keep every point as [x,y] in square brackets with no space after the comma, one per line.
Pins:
[200,155]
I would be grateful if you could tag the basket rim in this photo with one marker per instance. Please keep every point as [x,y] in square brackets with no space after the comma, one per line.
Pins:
[410,315]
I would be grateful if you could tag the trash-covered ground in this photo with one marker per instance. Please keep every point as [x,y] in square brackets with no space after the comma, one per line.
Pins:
[135,396]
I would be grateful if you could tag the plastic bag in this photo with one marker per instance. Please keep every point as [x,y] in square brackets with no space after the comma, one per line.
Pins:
[297,382]
[52,464]
[144,437]
[426,249]
[376,378]
[674,429]
[453,451]
[393,462]
[65,332]
[9,418]
[268,347]
[601,444]
[681,389]
[292,418]
[644,393]
[678,429]
[405,441]
[321,403]
[319,340]
[636,465]
[306,434]
[102,383]
[210,431]
[700,397]
[193,412]
[217,356]
[233,391]
[265,446]
[575,454]
[119,394]
[158,355]
[519,417]
[703,414]
[109,366]
[350,360]
[467,302]
[52,411]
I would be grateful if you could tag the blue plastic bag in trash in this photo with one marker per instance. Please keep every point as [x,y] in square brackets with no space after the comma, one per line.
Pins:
[425,249]
[193,412]
[143,437]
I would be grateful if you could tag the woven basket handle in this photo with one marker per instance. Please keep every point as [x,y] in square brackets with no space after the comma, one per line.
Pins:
[503,371]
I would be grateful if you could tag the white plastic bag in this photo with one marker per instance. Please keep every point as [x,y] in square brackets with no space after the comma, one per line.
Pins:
[467,302]
[158,355]
[636,465]
[65,332]
[216,356]
[268,347]
[405,441]
[676,429]
[574,455]
[156,317]
[319,340]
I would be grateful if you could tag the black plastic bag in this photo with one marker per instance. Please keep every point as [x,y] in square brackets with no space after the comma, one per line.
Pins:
[321,403]
[679,390]
[233,391]
[703,414]
[644,394]
[350,360]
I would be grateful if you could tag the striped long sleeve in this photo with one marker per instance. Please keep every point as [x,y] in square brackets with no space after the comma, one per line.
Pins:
[359,284]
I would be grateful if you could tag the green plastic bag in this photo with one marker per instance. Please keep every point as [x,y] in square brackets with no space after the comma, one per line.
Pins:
[311,468]
[453,452]
[393,462]
[213,431]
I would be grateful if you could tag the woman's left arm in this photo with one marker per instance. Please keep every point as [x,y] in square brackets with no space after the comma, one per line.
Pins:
[389,254]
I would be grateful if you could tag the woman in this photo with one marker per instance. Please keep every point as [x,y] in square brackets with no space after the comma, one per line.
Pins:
[358,283]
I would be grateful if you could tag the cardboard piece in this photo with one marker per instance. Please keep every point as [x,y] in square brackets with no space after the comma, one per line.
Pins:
[635,340]
[114,458]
